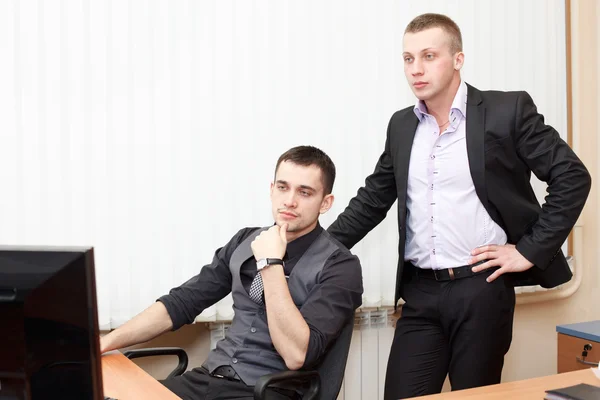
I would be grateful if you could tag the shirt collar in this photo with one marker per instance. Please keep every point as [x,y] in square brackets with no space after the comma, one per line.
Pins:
[459,103]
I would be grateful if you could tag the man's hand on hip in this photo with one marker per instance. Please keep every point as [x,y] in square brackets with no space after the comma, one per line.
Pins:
[270,243]
[507,257]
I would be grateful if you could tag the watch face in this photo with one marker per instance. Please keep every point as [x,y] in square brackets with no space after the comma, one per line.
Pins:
[260,264]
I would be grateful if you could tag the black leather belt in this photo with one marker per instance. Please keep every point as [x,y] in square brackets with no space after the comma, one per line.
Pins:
[226,372]
[447,274]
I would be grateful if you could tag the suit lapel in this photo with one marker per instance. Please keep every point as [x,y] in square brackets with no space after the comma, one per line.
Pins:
[475,133]
[403,152]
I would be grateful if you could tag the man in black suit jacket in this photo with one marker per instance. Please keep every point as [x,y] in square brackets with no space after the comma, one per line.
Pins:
[459,163]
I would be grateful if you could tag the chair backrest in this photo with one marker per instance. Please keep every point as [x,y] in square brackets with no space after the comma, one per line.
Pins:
[332,367]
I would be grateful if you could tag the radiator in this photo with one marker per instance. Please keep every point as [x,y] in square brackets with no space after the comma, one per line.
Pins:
[367,360]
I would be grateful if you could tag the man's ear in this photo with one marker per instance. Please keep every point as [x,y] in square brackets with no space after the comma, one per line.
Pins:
[459,60]
[326,203]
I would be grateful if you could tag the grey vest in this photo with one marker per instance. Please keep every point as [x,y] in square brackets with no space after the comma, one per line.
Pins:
[247,346]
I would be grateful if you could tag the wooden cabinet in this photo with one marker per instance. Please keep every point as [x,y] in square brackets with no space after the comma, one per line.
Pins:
[573,339]
[570,348]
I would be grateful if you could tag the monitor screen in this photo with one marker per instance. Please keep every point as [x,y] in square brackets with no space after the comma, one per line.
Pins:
[49,346]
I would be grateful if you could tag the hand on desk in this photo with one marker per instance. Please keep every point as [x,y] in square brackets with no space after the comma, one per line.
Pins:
[102,345]
[105,346]
[507,257]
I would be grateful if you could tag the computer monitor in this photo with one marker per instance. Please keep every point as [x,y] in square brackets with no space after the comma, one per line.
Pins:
[49,345]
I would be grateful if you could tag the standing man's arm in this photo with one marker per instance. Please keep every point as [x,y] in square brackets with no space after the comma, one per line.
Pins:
[181,305]
[371,203]
[569,182]
[554,162]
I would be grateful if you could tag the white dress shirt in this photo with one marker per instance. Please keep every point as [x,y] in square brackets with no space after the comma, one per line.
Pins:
[446,220]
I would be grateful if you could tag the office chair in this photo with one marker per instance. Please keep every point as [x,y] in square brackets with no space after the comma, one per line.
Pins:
[162,351]
[323,383]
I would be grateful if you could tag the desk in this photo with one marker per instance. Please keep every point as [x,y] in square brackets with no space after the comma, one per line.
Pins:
[527,389]
[124,380]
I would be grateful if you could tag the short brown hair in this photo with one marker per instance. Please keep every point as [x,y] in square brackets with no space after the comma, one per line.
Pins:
[428,21]
[309,155]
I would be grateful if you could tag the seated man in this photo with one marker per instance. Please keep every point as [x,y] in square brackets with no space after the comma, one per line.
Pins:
[293,285]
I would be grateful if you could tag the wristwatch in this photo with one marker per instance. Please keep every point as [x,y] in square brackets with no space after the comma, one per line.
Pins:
[264,262]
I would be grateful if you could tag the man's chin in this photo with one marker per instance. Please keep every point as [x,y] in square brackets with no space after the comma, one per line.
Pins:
[290,228]
[423,96]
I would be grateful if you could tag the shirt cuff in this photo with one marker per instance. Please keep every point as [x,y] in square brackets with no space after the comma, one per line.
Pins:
[177,317]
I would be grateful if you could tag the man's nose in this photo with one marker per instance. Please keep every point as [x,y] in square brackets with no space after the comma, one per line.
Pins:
[290,200]
[416,68]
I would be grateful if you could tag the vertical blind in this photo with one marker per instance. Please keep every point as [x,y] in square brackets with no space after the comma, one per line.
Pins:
[150,129]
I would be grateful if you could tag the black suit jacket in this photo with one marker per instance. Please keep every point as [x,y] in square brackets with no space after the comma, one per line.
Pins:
[506,141]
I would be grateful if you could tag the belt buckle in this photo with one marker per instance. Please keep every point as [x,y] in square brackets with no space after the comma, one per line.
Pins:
[440,277]
[451,273]
[217,375]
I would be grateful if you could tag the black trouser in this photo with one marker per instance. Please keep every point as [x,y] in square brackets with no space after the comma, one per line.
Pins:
[461,327]
[197,384]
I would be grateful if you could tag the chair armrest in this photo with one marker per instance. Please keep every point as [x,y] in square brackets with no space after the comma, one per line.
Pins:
[289,377]
[162,351]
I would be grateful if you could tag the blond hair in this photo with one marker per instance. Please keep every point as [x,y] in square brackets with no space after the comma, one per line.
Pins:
[430,20]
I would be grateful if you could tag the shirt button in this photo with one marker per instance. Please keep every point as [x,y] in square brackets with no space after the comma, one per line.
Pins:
[260,312]
[432,157]
[253,329]
[234,360]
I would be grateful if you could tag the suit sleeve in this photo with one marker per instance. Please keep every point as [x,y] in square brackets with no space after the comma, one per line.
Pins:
[552,160]
[371,203]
